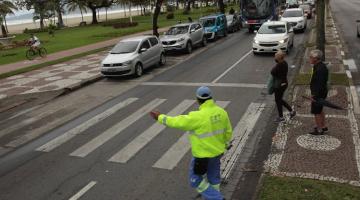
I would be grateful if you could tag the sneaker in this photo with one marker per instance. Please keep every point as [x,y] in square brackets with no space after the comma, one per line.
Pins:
[316,132]
[292,114]
[323,129]
[279,119]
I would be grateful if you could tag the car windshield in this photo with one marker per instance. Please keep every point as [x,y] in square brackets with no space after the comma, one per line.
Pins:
[292,13]
[305,7]
[176,30]
[125,47]
[208,22]
[272,29]
[257,9]
[229,18]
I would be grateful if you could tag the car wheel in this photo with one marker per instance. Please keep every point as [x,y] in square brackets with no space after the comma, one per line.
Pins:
[358,33]
[204,42]
[162,60]
[189,48]
[138,70]
[255,53]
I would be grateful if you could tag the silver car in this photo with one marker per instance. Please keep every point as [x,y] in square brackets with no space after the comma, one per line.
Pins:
[183,37]
[131,56]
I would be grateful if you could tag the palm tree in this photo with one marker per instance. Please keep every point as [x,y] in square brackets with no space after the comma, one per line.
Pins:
[6,7]
[77,4]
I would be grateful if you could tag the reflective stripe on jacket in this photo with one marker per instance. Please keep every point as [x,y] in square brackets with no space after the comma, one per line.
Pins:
[210,129]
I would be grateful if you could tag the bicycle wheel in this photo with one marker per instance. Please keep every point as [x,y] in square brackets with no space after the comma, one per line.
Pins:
[42,52]
[30,54]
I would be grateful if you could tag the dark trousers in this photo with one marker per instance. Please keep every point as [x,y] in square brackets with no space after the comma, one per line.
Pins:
[279,93]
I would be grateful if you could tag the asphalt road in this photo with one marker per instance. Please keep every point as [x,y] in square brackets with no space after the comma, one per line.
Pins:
[84,164]
[345,13]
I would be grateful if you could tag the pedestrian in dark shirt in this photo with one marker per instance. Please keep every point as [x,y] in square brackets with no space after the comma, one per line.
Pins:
[279,73]
[319,90]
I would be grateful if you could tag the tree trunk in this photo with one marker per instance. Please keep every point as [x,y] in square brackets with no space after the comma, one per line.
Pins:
[155,17]
[221,6]
[130,13]
[6,28]
[106,14]
[320,25]
[94,18]
[3,30]
[60,19]
[82,16]
[124,9]
[188,4]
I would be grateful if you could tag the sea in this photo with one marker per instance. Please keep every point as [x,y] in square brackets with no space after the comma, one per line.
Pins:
[26,16]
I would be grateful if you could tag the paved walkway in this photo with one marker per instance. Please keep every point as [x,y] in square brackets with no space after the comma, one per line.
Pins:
[334,156]
[70,74]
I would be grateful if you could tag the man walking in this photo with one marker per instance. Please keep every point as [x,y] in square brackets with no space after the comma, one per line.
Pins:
[319,90]
[210,132]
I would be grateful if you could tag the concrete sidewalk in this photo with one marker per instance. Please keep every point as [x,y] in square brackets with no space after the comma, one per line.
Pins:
[63,76]
[334,156]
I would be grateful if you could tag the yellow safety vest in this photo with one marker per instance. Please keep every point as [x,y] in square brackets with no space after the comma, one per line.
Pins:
[209,127]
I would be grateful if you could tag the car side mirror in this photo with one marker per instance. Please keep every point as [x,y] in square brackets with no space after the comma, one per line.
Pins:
[143,50]
[358,21]
[255,31]
[192,30]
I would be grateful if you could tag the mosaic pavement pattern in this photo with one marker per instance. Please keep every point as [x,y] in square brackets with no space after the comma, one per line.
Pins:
[53,77]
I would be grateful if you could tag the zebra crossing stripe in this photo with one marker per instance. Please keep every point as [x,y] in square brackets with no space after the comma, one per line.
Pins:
[49,146]
[126,153]
[240,135]
[178,150]
[116,129]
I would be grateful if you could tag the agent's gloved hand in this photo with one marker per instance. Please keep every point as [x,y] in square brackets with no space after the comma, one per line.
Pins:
[155,114]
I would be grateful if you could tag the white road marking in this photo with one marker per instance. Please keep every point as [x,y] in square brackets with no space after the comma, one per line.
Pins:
[140,141]
[355,99]
[240,135]
[231,67]
[178,150]
[239,85]
[116,129]
[82,127]
[351,64]
[83,190]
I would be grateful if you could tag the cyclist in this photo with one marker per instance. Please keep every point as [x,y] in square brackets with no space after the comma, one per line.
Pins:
[34,42]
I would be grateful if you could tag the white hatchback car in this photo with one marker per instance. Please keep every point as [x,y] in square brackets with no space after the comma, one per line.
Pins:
[296,17]
[273,36]
[132,56]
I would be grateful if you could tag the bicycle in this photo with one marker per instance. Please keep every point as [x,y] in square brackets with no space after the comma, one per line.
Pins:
[31,53]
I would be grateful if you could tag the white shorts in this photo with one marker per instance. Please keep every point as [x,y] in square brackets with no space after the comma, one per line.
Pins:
[36,44]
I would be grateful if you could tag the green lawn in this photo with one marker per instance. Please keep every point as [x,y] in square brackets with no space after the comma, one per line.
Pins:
[79,36]
[285,188]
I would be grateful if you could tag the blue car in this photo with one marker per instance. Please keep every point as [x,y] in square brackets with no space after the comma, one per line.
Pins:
[215,26]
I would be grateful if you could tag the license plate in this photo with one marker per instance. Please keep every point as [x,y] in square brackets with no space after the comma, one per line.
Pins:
[110,69]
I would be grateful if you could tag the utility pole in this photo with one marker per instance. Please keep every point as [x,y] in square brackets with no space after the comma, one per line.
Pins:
[320,26]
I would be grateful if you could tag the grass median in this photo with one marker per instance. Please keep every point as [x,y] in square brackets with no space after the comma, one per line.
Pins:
[70,38]
[286,188]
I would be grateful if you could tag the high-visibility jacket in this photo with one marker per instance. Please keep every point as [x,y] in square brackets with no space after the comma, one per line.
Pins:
[209,129]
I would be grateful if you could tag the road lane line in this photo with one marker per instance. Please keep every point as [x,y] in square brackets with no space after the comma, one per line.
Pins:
[54,143]
[83,190]
[142,140]
[240,135]
[178,150]
[116,129]
[239,85]
[231,67]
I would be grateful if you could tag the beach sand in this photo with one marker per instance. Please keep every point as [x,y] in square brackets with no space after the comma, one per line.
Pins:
[13,29]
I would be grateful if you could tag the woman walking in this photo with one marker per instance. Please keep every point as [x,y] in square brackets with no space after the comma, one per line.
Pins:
[279,73]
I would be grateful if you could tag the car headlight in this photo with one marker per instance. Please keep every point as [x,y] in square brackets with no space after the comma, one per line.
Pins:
[283,41]
[127,62]
[181,39]
[256,41]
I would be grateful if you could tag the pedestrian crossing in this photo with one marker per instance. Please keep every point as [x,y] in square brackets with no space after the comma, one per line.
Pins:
[171,158]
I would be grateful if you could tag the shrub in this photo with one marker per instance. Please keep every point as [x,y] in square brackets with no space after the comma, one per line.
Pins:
[147,13]
[125,24]
[186,12]
[38,30]
[211,10]
[170,15]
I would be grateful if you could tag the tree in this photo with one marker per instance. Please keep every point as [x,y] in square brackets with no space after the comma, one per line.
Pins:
[93,5]
[221,6]
[6,7]
[41,7]
[158,4]
[59,7]
[77,4]
[320,26]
